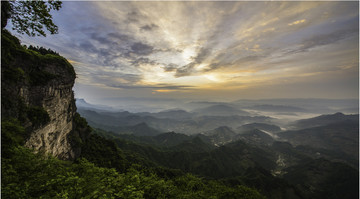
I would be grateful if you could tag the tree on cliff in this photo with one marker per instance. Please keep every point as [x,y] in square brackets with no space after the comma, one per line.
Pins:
[30,17]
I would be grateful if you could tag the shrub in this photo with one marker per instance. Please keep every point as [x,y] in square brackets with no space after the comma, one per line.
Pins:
[14,74]
[37,115]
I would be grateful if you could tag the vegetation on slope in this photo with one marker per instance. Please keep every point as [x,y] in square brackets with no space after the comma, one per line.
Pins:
[29,175]
[23,65]
[238,163]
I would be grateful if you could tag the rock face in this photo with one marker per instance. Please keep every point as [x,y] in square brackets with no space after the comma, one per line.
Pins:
[52,137]
[37,91]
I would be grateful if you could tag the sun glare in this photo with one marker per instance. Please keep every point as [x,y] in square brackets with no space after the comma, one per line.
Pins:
[188,54]
[212,77]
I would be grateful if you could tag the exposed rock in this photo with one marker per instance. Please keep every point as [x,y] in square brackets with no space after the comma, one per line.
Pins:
[37,90]
[53,137]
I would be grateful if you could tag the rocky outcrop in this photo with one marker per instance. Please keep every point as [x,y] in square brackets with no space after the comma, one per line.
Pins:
[37,91]
[53,137]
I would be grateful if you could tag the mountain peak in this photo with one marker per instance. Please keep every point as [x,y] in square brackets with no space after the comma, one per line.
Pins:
[80,100]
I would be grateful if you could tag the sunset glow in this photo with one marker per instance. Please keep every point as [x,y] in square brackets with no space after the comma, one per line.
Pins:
[243,48]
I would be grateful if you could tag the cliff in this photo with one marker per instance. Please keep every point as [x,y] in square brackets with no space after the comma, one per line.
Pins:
[36,89]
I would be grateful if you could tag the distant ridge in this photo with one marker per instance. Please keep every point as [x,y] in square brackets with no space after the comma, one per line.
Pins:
[82,104]
[261,126]
[276,108]
[221,110]
[324,120]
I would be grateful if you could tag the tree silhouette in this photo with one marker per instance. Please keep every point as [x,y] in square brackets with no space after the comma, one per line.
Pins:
[30,17]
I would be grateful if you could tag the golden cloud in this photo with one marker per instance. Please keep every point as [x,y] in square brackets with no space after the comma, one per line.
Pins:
[297,22]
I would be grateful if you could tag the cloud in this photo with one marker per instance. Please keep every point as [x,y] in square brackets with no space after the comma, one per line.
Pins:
[185,70]
[141,49]
[156,45]
[163,91]
[133,16]
[297,22]
[170,67]
[198,59]
[158,87]
[324,39]
[149,27]
[87,46]
[118,36]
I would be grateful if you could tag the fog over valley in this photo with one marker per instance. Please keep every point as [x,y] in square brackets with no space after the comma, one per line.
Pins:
[189,115]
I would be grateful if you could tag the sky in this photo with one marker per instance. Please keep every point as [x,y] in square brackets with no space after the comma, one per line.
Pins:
[208,50]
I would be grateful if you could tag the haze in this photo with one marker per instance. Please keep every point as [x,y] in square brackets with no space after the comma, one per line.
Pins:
[209,50]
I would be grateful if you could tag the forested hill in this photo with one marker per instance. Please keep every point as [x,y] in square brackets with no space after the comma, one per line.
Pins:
[40,126]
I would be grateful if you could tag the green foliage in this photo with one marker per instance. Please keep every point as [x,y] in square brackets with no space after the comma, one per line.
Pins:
[37,115]
[40,77]
[42,50]
[29,175]
[80,122]
[324,179]
[5,13]
[13,53]
[103,153]
[9,47]
[60,62]
[14,74]
[32,62]
[12,134]
[80,132]
[236,164]
[31,17]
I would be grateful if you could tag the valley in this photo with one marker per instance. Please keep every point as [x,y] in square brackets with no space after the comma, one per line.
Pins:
[221,142]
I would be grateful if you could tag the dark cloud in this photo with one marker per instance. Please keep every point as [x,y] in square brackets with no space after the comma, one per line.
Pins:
[88,47]
[143,60]
[111,38]
[119,36]
[159,86]
[213,66]
[149,27]
[108,78]
[141,49]
[202,55]
[198,59]
[173,87]
[133,16]
[104,52]
[185,70]
[170,67]
[131,77]
[130,81]
[118,45]
[103,40]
